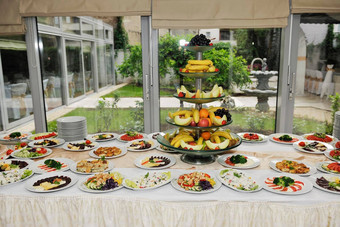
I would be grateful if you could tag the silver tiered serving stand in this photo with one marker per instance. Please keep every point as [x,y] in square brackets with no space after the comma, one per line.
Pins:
[197,157]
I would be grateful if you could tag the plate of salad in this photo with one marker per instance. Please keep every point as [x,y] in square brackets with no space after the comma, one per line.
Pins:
[238,161]
[32,152]
[287,184]
[103,137]
[333,154]
[326,182]
[102,182]
[43,135]
[252,137]
[238,181]
[147,181]
[196,183]
[14,164]
[329,167]
[321,137]
[284,138]
[52,165]
[131,135]
[312,147]
[15,176]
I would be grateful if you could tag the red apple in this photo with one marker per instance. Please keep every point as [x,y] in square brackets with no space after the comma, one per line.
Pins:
[203,122]
[193,123]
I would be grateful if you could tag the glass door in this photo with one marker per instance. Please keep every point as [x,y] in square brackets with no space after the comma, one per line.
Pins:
[87,54]
[317,74]
[75,78]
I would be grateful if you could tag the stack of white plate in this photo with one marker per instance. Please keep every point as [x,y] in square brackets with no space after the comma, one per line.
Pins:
[72,128]
[336,126]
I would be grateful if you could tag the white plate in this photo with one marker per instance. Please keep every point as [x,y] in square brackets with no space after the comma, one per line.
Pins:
[60,142]
[151,135]
[28,161]
[11,140]
[31,137]
[327,154]
[96,145]
[18,180]
[73,168]
[67,161]
[143,189]
[299,148]
[82,187]
[145,136]
[91,137]
[264,138]
[138,161]
[281,134]
[225,183]
[313,180]
[221,160]
[312,169]
[124,151]
[153,146]
[49,151]
[334,140]
[166,151]
[306,188]
[29,184]
[179,188]
[319,167]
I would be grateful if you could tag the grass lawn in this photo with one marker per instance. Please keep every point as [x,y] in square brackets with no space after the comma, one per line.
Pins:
[123,119]
[131,90]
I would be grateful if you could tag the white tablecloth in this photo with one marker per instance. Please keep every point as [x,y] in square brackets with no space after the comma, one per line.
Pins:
[166,206]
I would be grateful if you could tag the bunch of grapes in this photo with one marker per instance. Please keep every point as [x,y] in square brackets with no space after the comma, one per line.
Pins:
[110,184]
[199,40]
[205,185]
[223,111]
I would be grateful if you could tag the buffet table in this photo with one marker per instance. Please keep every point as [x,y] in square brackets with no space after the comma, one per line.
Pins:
[166,206]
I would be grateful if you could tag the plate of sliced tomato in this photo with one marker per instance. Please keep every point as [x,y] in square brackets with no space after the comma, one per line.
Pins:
[252,137]
[328,167]
[333,155]
[321,137]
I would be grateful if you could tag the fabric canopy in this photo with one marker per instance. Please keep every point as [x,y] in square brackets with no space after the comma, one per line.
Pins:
[13,29]
[85,7]
[315,6]
[179,14]
[9,12]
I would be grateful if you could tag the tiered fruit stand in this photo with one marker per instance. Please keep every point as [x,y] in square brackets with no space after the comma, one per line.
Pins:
[198,157]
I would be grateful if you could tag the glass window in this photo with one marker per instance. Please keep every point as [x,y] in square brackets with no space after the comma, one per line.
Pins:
[101,65]
[71,25]
[249,94]
[99,31]
[51,21]
[109,63]
[87,28]
[18,99]
[318,73]
[108,34]
[75,78]
[87,54]
[51,70]
[224,34]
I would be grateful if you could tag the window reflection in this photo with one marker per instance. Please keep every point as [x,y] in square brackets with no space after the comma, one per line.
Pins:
[71,25]
[51,70]
[87,54]
[75,78]
[18,99]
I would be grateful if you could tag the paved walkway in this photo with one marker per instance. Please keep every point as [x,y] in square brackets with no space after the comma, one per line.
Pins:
[309,105]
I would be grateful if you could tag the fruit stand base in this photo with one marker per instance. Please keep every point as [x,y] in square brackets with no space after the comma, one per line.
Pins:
[198,160]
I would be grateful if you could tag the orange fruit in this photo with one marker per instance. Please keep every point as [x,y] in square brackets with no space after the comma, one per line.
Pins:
[204,113]
[217,117]
[206,135]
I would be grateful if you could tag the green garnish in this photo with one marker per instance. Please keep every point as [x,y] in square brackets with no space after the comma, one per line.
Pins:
[320,135]
[27,173]
[285,138]
[53,164]
[237,175]
[284,181]
[132,133]
[236,159]
[146,175]
[101,137]
[15,135]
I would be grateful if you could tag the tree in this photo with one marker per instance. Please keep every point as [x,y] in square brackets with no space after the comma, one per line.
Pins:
[121,39]
[233,69]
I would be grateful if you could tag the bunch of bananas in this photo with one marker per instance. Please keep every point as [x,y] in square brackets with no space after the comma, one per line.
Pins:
[198,66]
[219,139]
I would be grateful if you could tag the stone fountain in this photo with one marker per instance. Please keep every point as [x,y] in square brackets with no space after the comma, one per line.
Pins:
[262,90]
